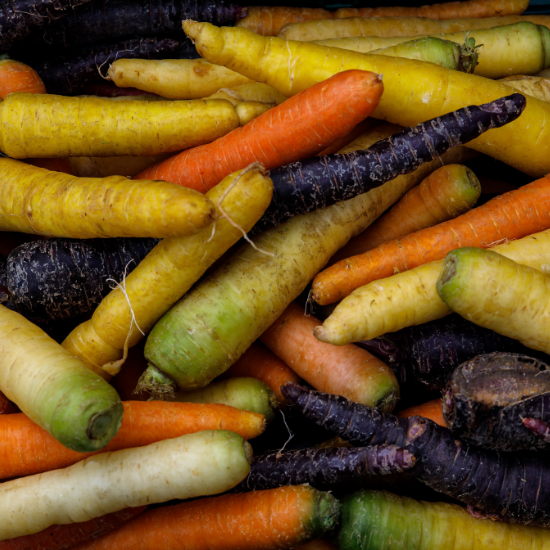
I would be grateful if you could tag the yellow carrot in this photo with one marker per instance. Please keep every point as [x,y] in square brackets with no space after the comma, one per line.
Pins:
[39,201]
[407,100]
[167,272]
[535,86]
[397,26]
[45,125]
[255,91]
[410,298]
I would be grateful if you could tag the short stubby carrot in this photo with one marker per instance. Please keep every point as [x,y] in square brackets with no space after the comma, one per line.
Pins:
[27,449]
[274,518]
[18,77]
[348,370]
[432,409]
[512,215]
[300,127]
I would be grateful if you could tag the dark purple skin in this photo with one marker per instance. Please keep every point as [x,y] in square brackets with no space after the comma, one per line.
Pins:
[429,353]
[18,18]
[493,482]
[488,397]
[318,182]
[59,279]
[69,72]
[111,20]
[324,468]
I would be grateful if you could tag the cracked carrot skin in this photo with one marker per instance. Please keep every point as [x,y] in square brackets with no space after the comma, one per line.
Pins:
[168,272]
[43,125]
[512,215]
[39,201]
[410,298]
[319,115]
[27,449]
[498,293]
[291,66]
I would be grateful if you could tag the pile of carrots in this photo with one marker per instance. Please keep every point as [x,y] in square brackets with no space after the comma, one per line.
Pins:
[316,242]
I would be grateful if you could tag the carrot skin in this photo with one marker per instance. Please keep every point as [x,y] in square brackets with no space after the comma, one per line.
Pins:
[321,114]
[432,410]
[316,182]
[19,77]
[277,519]
[61,537]
[27,449]
[495,482]
[323,468]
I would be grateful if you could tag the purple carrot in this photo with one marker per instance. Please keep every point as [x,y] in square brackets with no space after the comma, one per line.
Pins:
[510,484]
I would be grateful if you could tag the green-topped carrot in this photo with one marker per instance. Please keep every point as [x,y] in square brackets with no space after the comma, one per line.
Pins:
[53,388]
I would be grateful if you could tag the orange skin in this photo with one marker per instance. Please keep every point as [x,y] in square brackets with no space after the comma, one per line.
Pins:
[18,77]
[513,215]
[432,410]
[26,449]
[298,128]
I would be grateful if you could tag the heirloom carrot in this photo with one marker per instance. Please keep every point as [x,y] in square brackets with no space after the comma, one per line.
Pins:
[512,215]
[344,370]
[27,449]
[274,518]
[432,410]
[318,116]
[18,77]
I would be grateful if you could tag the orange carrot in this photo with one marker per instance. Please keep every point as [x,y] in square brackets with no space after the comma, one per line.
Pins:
[364,126]
[60,537]
[512,215]
[25,448]
[269,20]
[259,362]
[18,77]
[272,519]
[447,10]
[298,128]
[445,194]
[432,410]
[347,370]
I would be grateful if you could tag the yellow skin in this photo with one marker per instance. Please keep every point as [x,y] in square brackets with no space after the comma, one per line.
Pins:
[167,272]
[497,52]
[50,126]
[407,100]
[54,204]
[410,298]
[254,91]
[495,292]
[174,78]
[535,86]
[204,463]
[397,26]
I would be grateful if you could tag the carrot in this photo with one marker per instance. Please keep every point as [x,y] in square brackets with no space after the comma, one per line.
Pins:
[407,100]
[447,10]
[167,272]
[43,125]
[319,115]
[398,26]
[27,449]
[61,537]
[535,86]
[197,464]
[261,363]
[53,388]
[255,91]
[269,20]
[446,193]
[36,200]
[275,519]
[6,406]
[56,165]
[101,167]
[349,370]
[510,216]
[410,298]
[432,410]
[342,142]
[18,77]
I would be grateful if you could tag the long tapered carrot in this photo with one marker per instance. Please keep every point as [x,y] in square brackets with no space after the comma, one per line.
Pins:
[271,519]
[18,77]
[261,363]
[510,216]
[432,409]
[61,537]
[298,128]
[345,370]
[26,449]
[445,194]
